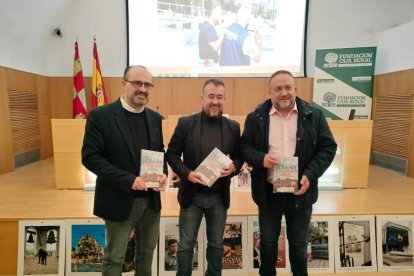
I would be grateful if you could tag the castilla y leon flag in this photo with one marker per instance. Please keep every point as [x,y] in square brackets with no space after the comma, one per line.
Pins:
[79,101]
[98,90]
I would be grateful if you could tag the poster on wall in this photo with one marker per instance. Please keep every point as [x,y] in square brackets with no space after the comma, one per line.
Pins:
[41,249]
[320,251]
[234,261]
[173,180]
[282,261]
[169,239]
[355,243]
[85,244]
[343,82]
[242,181]
[395,239]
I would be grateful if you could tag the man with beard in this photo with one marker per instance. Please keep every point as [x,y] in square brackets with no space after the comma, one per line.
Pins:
[285,126]
[195,137]
[115,134]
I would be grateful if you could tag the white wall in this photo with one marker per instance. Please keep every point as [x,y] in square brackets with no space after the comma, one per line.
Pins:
[27,42]
[361,23]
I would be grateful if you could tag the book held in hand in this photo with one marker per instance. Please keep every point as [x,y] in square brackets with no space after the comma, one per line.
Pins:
[152,164]
[285,175]
[212,165]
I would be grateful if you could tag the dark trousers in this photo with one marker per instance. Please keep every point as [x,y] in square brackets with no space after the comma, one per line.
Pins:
[297,227]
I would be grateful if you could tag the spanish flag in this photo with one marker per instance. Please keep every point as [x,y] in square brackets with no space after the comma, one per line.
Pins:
[79,100]
[98,90]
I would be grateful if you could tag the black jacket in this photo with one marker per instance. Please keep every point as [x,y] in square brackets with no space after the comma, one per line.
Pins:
[108,152]
[186,141]
[315,149]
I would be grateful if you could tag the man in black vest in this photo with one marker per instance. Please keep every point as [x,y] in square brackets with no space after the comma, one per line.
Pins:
[114,136]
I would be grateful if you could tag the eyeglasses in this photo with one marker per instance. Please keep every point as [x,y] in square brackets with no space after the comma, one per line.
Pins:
[139,84]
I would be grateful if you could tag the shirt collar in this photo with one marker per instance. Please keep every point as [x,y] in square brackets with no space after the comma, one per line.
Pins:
[274,111]
[130,108]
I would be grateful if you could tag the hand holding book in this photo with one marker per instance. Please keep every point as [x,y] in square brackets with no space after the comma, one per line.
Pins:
[212,166]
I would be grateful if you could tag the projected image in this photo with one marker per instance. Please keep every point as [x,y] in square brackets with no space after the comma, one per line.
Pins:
[196,38]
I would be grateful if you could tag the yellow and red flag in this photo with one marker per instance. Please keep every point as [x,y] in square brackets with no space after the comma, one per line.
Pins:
[79,100]
[98,90]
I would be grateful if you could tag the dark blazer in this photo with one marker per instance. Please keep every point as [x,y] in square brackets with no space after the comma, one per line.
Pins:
[186,141]
[108,152]
[315,147]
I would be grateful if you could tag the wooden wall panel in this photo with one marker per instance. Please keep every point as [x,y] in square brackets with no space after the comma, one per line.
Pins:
[24,120]
[43,101]
[20,81]
[248,93]
[9,231]
[6,159]
[160,97]
[61,97]
[393,116]
[186,95]
[401,82]
[305,88]
[176,96]
[229,88]
[391,125]
[113,88]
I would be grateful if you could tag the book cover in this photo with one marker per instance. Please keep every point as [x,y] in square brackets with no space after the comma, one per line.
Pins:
[152,164]
[285,175]
[212,165]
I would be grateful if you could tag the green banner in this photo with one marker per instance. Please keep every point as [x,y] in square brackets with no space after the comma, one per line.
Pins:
[343,82]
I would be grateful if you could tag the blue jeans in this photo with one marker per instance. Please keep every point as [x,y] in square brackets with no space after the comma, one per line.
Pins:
[212,206]
[297,227]
[145,222]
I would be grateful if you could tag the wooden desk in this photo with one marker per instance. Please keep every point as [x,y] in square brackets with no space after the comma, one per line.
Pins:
[354,138]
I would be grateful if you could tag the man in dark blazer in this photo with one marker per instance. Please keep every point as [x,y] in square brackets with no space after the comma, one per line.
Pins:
[194,138]
[114,136]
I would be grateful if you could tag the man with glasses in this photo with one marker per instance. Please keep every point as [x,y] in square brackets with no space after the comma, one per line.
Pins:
[195,137]
[114,136]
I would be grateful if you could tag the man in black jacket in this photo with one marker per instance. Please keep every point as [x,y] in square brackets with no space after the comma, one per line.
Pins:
[114,136]
[195,137]
[285,126]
